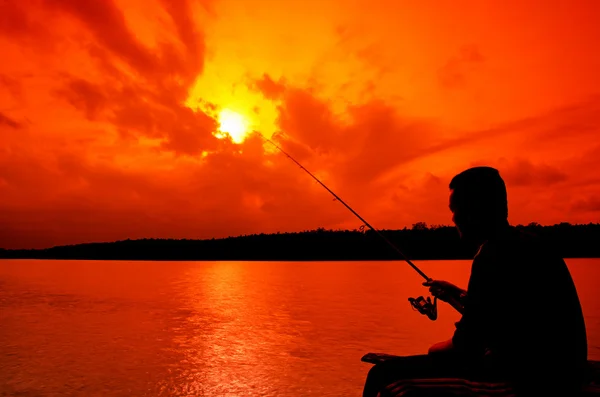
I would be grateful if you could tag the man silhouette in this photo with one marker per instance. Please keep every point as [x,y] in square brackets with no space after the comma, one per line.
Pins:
[521,317]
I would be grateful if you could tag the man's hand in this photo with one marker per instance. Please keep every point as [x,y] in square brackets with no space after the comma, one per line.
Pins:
[443,290]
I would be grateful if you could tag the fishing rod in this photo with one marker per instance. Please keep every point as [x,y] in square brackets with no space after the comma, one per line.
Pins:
[424,306]
[394,247]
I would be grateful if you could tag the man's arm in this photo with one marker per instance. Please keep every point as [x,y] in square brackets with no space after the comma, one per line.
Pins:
[458,301]
[469,336]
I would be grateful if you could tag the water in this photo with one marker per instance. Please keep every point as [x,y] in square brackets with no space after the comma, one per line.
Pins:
[90,328]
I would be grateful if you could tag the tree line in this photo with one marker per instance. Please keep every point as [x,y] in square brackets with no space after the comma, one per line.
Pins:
[420,242]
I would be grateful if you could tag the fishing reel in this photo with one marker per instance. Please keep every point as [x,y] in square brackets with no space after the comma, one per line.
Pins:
[425,306]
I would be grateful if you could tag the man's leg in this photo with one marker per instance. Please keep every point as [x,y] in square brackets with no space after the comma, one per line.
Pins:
[413,367]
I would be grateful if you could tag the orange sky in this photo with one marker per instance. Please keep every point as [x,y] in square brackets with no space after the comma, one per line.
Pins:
[109,113]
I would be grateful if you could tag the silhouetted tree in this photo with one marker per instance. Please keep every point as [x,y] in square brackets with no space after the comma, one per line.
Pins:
[420,242]
[420,226]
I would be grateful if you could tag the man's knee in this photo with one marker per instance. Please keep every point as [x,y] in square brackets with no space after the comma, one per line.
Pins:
[375,374]
[375,381]
[383,373]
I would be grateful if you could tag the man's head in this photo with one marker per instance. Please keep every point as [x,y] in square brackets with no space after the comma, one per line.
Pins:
[478,202]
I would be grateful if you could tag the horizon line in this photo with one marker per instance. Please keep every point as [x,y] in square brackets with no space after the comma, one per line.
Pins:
[423,225]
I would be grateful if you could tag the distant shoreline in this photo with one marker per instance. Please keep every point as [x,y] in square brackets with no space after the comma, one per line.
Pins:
[418,243]
[250,260]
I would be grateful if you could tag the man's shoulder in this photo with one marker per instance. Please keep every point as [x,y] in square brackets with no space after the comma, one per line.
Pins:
[517,245]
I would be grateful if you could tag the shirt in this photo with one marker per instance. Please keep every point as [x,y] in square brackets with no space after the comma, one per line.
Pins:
[522,309]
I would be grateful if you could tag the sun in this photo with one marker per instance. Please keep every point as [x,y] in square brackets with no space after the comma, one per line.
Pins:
[233,124]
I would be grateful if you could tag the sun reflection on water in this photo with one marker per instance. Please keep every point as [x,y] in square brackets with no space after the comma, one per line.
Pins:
[240,344]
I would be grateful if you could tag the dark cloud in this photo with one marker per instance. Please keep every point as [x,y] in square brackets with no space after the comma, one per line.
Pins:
[12,85]
[308,120]
[372,142]
[522,172]
[107,23]
[22,22]
[192,63]
[14,21]
[270,88]
[454,73]
[298,150]
[541,131]
[5,120]
[139,111]
[384,139]
[85,96]
[575,121]
[165,68]
[151,103]
[591,204]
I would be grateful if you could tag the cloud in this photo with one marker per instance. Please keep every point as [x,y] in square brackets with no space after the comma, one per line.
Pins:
[521,172]
[5,120]
[13,19]
[454,73]
[149,103]
[372,140]
[382,139]
[591,204]
[136,111]
[269,88]
[192,38]
[12,85]
[68,198]
[107,23]
[85,96]
[308,120]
